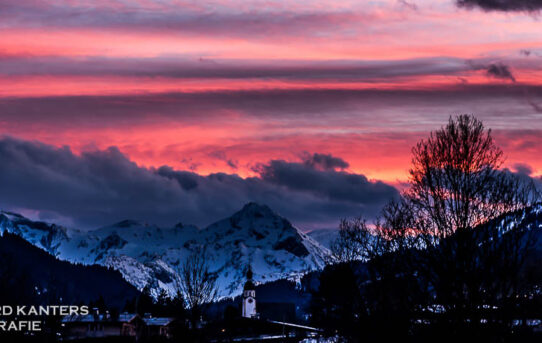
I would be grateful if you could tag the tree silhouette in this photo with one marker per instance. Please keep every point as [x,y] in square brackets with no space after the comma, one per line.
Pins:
[197,284]
[445,248]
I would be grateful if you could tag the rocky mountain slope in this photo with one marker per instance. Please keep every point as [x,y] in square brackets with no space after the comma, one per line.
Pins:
[325,237]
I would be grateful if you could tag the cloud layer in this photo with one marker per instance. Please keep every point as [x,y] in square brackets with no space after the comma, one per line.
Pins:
[104,186]
[503,5]
[500,71]
[248,87]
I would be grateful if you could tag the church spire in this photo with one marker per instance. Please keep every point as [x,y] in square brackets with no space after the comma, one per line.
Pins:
[249,284]
[249,273]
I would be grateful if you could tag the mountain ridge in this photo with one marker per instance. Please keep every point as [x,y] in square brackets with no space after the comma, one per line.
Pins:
[148,255]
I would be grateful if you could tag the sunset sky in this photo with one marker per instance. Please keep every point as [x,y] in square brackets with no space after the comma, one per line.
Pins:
[235,90]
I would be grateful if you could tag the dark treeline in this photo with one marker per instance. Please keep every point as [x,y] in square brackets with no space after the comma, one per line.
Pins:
[32,277]
[456,257]
[29,275]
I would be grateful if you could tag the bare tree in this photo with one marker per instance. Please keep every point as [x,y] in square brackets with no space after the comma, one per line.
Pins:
[456,182]
[375,257]
[197,284]
[392,231]
[354,241]
[449,229]
[457,192]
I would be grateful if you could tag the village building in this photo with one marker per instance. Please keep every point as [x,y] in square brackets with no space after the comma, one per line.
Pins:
[98,325]
[158,326]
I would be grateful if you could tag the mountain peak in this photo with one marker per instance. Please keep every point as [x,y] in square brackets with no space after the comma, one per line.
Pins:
[260,218]
[253,209]
[258,225]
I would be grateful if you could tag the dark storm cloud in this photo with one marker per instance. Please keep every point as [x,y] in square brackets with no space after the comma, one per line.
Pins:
[101,187]
[503,5]
[330,184]
[496,70]
[324,162]
[500,71]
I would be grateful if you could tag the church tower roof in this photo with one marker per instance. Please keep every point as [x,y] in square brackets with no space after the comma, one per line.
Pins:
[249,285]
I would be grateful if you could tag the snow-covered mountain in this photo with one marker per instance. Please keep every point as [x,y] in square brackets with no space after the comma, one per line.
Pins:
[325,237]
[49,237]
[149,255]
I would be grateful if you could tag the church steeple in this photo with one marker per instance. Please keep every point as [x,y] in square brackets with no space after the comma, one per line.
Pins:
[249,284]
[249,297]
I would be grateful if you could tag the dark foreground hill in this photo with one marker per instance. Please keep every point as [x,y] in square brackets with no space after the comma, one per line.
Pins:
[29,275]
